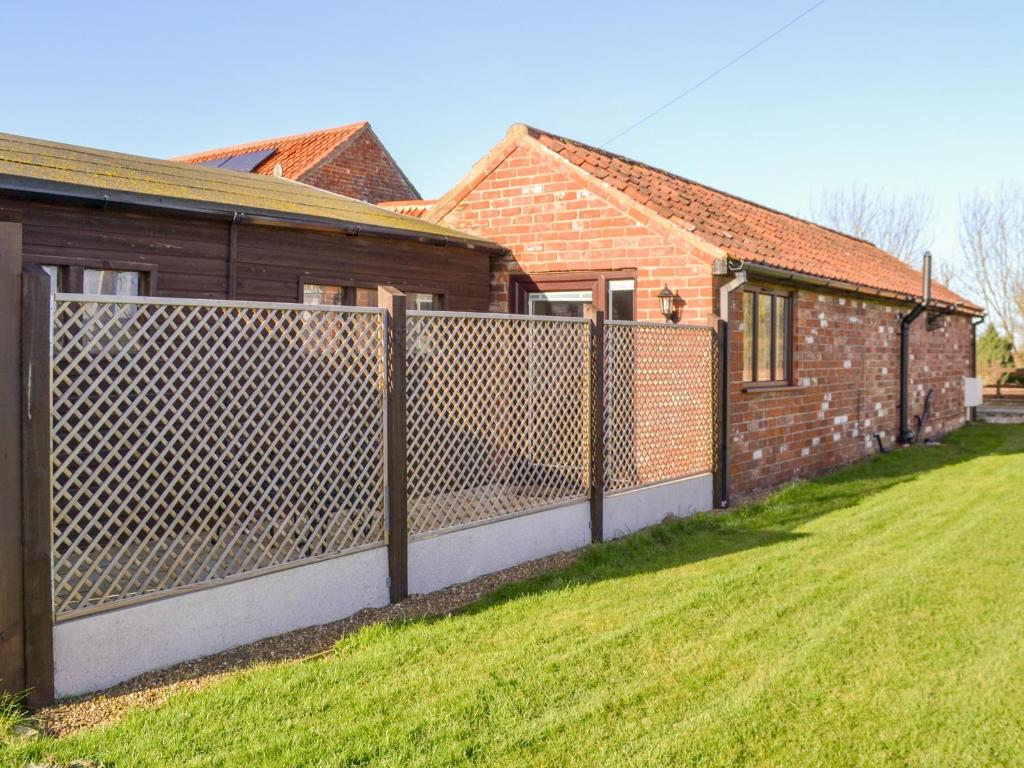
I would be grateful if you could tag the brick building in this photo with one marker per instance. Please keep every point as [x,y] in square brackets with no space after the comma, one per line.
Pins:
[814,344]
[349,160]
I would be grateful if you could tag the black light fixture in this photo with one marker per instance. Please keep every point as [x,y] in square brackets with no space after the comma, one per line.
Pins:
[666,298]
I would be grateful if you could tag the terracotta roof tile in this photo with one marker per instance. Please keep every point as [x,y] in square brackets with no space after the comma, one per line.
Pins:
[745,230]
[297,154]
[415,208]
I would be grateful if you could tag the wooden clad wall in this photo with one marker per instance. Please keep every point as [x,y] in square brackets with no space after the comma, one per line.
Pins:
[270,259]
[190,254]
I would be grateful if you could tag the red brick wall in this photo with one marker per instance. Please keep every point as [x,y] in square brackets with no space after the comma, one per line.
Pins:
[846,356]
[846,369]
[363,170]
[552,222]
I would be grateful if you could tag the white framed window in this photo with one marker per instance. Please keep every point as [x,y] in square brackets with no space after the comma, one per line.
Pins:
[559,303]
[424,301]
[621,299]
[111,282]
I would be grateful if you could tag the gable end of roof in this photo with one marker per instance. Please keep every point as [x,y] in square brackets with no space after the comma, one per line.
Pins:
[348,146]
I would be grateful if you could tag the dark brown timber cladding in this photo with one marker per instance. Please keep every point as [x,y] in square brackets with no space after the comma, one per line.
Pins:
[270,260]
[190,254]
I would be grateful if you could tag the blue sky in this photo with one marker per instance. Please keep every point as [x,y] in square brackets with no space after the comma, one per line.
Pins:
[909,96]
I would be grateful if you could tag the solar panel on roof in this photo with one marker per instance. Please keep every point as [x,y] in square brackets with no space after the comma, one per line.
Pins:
[245,162]
[249,160]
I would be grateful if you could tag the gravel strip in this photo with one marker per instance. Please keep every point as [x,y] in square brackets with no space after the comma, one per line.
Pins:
[154,688]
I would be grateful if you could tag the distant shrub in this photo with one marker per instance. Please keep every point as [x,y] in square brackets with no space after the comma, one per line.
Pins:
[995,355]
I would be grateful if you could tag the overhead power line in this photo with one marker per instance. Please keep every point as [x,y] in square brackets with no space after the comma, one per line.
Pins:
[714,74]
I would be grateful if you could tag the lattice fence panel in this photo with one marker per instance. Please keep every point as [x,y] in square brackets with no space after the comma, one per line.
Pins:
[497,416]
[660,394]
[193,442]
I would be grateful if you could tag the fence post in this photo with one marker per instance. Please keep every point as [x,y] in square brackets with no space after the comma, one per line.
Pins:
[721,414]
[35,485]
[393,303]
[12,627]
[596,480]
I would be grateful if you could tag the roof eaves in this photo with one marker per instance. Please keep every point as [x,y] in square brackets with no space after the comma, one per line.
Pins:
[47,189]
[777,273]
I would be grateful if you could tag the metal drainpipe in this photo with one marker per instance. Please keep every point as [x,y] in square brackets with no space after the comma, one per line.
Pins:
[724,294]
[974,356]
[906,436]
[233,255]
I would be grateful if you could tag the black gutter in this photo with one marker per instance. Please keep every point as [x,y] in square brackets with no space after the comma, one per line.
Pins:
[77,194]
[725,266]
[906,436]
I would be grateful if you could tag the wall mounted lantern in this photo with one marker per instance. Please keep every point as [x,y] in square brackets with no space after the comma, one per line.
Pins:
[667,300]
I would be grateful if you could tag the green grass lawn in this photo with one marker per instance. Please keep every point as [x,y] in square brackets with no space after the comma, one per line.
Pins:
[873,617]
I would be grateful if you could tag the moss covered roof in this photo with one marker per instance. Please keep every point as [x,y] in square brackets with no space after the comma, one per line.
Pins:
[97,169]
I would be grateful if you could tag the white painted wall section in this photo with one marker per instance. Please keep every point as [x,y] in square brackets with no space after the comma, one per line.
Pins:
[450,558]
[630,511]
[101,650]
[98,651]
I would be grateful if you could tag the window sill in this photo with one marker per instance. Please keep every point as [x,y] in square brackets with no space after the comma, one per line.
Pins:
[753,389]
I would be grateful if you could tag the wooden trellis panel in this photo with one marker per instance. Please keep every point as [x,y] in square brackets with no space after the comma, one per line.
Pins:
[660,395]
[198,441]
[195,442]
[497,416]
